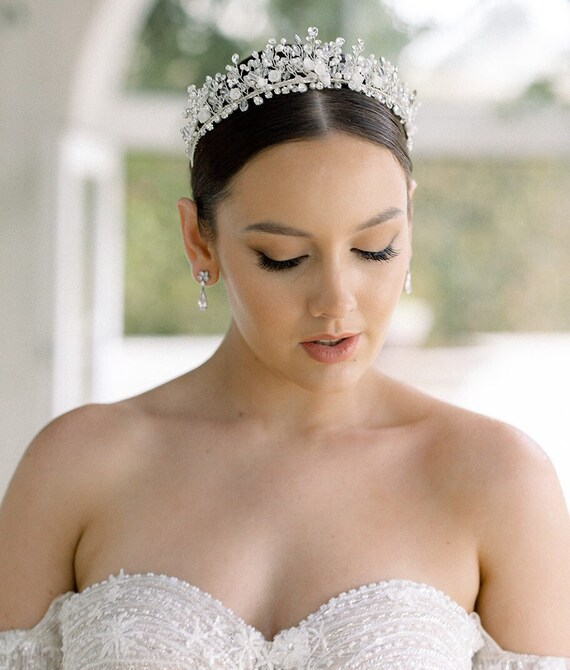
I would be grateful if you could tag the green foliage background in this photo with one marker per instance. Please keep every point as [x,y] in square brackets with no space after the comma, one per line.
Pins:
[180,44]
[491,243]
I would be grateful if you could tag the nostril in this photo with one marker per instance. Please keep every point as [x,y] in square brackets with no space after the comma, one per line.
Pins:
[332,306]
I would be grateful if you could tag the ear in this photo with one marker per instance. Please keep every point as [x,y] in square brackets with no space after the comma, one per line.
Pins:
[199,252]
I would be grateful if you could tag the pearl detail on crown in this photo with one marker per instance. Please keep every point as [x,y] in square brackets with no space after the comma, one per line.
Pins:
[284,68]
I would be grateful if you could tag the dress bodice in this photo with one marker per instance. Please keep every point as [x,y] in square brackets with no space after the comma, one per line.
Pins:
[156,622]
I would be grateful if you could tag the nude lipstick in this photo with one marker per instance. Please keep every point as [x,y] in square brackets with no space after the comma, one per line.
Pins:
[331,348]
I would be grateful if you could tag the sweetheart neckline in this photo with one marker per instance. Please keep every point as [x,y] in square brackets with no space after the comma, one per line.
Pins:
[332,601]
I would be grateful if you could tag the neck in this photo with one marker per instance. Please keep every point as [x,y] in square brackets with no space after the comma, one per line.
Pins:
[245,387]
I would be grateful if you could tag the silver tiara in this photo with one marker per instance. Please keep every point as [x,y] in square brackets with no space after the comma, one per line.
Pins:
[298,67]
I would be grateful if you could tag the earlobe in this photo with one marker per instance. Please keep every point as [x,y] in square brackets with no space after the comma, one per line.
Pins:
[198,250]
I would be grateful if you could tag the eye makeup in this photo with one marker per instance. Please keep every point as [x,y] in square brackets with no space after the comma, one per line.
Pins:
[272,265]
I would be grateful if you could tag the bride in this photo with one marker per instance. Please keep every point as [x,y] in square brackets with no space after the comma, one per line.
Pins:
[286,505]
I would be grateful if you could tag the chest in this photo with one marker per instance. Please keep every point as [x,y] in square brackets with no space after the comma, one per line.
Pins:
[325,498]
[275,537]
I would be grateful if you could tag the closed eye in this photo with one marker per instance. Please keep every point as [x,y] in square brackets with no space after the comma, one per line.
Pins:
[274,266]
[384,255]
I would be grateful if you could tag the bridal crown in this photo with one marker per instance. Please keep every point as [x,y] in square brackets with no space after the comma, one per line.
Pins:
[285,68]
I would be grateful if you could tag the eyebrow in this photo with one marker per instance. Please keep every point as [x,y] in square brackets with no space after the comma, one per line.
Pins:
[276,228]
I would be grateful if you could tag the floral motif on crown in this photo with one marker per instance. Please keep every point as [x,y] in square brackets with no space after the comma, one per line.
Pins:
[282,68]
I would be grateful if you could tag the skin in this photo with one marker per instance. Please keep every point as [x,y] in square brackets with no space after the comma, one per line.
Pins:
[275,482]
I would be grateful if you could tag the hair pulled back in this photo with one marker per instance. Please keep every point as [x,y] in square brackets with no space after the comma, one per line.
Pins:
[225,149]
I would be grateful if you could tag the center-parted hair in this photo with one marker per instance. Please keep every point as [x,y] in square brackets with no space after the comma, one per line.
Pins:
[223,151]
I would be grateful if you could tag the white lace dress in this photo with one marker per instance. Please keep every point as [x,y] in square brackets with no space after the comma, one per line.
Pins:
[155,622]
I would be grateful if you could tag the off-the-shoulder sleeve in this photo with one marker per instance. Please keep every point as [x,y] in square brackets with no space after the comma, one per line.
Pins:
[37,648]
[492,657]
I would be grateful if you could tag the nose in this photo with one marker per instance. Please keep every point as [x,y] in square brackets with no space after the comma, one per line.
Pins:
[333,294]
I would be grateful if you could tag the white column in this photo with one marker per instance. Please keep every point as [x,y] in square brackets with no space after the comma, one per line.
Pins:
[89,265]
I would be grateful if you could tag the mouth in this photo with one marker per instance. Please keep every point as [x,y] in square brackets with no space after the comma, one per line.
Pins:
[330,340]
[329,343]
[327,348]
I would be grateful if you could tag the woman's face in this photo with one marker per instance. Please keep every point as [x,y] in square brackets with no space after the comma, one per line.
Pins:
[313,244]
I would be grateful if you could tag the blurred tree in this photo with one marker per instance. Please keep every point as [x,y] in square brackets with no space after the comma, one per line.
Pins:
[370,20]
[175,49]
[491,245]
[184,40]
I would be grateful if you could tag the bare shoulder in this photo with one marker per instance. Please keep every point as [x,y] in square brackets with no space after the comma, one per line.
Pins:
[524,547]
[520,517]
[489,454]
[455,436]
[60,479]
[505,487]
[499,462]
[79,446]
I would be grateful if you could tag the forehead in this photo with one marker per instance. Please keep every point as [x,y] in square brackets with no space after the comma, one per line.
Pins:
[334,175]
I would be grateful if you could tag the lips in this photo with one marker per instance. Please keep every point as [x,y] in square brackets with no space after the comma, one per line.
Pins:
[330,348]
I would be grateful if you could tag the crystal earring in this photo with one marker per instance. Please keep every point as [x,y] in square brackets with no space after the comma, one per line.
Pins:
[408,282]
[203,278]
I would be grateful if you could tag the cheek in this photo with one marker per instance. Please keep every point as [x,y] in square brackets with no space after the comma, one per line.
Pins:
[379,299]
[253,293]
[385,279]
[256,302]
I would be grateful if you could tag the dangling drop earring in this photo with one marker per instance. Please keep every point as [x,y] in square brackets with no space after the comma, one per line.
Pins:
[408,282]
[203,278]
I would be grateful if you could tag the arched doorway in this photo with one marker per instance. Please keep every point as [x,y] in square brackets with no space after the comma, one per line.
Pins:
[62,143]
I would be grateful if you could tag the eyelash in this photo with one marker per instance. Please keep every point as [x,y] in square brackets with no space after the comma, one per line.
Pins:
[385,255]
[272,265]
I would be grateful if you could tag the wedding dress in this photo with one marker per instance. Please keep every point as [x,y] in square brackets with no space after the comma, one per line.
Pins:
[156,622]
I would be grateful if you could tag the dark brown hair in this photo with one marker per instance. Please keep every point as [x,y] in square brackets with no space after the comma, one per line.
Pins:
[225,149]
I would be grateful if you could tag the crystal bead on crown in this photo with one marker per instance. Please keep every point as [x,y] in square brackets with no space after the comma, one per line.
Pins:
[298,67]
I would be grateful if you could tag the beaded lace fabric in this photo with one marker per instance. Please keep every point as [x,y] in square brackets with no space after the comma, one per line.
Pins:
[155,622]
